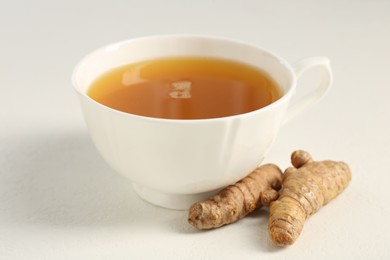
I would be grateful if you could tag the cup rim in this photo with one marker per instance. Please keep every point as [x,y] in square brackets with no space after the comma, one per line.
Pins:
[284,98]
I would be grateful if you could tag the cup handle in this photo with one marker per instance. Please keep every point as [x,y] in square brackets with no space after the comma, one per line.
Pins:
[313,96]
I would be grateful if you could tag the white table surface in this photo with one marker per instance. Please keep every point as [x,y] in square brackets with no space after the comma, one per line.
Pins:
[59,200]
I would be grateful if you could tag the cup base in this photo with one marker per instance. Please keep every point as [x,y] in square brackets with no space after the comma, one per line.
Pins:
[170,200]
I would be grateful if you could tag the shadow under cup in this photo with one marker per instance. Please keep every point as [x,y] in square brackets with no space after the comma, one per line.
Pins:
[174,163]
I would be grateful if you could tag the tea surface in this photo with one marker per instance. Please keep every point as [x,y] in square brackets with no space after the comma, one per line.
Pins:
[185,88]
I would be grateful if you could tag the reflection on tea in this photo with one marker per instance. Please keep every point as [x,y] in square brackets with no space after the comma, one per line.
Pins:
[185,88]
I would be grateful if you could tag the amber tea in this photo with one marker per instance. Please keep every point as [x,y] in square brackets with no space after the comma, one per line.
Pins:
[185,88]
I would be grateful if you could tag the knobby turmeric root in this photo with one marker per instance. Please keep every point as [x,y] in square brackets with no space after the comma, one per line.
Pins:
[305,189]
[235,201]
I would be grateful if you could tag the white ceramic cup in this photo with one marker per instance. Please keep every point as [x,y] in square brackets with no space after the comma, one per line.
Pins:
[173,163]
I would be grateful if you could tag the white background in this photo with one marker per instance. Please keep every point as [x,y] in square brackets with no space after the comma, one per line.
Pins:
[59,200]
